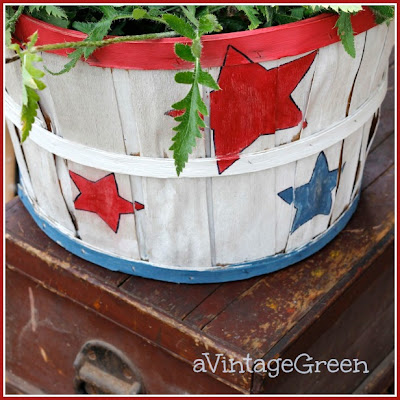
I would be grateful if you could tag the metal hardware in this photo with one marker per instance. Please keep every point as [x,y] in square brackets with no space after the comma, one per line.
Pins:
[103,369]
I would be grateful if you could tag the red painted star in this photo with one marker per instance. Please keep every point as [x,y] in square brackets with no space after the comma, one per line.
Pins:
[102,197]
[178,113]
[259,100]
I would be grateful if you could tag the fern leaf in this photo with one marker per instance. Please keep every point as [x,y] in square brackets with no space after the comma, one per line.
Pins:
[346,34]
[188,128]
[251,13]
[31,81]
[29,112]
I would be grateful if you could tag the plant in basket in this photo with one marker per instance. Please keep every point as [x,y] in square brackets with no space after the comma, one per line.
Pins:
[265,113]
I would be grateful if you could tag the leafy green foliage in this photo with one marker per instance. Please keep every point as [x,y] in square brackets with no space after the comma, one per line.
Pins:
[188,127]
[51,14]
[139,13]
[180,26]
[382,13]
[184,51]
[206,79]
[208,23]
[190,122]
[345,32]
[29,111]
[95,31]
[184,77]
[251,13]
[31,81]
[11,18]
[344,26]
[55,11]
[346,8]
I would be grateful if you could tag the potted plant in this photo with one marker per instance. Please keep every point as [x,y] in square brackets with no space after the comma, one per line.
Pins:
[280,119]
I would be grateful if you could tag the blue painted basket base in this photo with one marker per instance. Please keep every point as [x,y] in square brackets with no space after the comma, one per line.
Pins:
[233,272]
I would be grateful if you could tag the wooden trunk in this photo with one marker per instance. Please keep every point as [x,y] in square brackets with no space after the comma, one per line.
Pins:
[276,176]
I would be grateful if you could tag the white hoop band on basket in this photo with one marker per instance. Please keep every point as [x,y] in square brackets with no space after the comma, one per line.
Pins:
[200,167]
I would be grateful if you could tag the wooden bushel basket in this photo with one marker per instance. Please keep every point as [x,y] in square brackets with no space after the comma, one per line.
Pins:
[276,176]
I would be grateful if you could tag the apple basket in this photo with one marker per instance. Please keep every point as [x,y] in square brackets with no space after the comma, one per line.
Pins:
[275,177]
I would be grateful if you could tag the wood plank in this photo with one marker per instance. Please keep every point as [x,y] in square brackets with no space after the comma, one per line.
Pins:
[252,198]
[384,57]
[355,146]
[279,300]
[300,95]
[347,323]
[92,119]
[386,121]
[172,298]
[364,82]
[40,163]
[217,301]
[326,106]
[174,224]
[10,168]
[368,132]
[122,90]
[177,220]
[375,66]
[335,73]
[285,175]
[285,178]
[308,172]
[244,217]
[349,162]
[380,379]
[48,111]
[384,155]
[17,385]
[19,155]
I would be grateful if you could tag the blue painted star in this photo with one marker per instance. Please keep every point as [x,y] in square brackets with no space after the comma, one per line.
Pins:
[313,198]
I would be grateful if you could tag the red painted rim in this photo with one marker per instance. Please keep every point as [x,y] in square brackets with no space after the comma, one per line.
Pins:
[259,45]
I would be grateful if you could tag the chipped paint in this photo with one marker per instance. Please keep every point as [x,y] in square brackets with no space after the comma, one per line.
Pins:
[43,354]
[317,273]
[97,304]
[33,310]
[265,326]
[271,305]
[335,254]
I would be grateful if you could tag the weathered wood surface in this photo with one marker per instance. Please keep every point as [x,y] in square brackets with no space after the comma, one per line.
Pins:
[253,205]
[359,327]
[10,177]
[195,223]
[327,104]
[381,379]
[262,316]
[134,120]
[42,179]
[97,115]
[54,329]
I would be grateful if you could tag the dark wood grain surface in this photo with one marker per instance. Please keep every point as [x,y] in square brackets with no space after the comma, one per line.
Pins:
[335,301]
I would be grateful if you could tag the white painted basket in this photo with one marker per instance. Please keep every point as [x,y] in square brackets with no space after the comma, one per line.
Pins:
[98,177]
